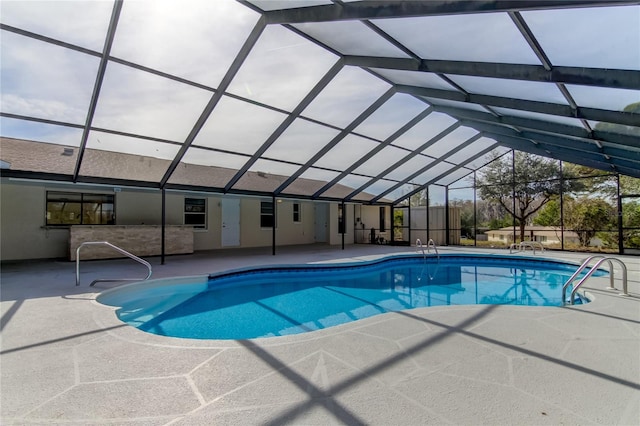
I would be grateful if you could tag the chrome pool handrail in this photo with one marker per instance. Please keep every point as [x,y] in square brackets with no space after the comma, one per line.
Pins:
[593,269]
[522,246]
[122,251]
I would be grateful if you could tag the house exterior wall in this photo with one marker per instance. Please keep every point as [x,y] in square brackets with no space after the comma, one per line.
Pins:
[25,236]
[22,220]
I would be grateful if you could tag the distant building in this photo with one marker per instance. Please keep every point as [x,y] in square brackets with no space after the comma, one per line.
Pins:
[547,235]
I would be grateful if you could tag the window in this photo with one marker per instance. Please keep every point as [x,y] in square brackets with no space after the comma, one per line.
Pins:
[266,214]
[382,226]
[76,208]
[195,212]
[297,217]
[340,219]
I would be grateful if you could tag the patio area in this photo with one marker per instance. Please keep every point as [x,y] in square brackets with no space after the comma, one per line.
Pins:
[66,359]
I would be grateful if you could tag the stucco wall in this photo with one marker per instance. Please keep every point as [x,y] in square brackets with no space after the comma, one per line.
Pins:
[22,220]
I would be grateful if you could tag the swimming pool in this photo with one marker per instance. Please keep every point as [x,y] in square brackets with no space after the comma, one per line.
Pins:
[290,299]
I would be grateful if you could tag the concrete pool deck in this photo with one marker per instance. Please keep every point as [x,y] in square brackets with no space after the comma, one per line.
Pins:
[66,359]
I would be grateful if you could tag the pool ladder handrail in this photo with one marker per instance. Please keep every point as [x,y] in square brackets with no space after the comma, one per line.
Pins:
[522,246]
[120,250]
[593,269]
[430,244]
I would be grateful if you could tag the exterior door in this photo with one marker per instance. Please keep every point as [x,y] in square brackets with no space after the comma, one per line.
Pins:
[321,217]
[230,222]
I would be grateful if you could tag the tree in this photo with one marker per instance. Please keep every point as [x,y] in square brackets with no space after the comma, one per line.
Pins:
[587,216]
[621,128]
[536,182]
[549,215]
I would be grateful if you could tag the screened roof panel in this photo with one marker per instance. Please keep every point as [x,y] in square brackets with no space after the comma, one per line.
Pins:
[27,69]
[351,38]
[392,115]
[300,141]
[81,23]
[414,78]
[409,167]
[455,104]
[470,37]
[310,181]
[18,154]
[345,97]
[453,176]
[238,126]
[353,181]
[154,106]
[613,127]
[281,69]
[604,97]
[200,92]
[204,39]
[381,160]
[34,131]
[400,192]
[346,152]
[470,151]
[266,175]
[377,187]
[201,175]
[538,116]
[206,157]
[517,89]
[102,163]
[424,131]
[127,145]
[449,142]
[287,4]
[433,172]
[602,37]
[478,163]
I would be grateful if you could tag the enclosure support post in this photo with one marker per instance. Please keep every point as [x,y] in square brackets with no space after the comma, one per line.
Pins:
[164,223]
[344,224]
[273,227]
[409,222]
[620,224]
[446,216]
[426,194]
[475,215]
[561,206]
[513,191]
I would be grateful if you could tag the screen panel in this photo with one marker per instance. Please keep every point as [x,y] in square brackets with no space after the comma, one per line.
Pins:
[470,37]
[238,126]
[281,69]
[599,37]
[349,93]
[391,116]
[155,106]
[27,70]
[204,39]
[351,38]
[83,23]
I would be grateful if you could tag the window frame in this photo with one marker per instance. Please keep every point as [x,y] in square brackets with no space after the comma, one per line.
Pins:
[297,213]
[95,198]
[267,219]
[196,209]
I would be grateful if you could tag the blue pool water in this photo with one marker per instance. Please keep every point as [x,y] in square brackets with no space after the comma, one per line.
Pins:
[276,301]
